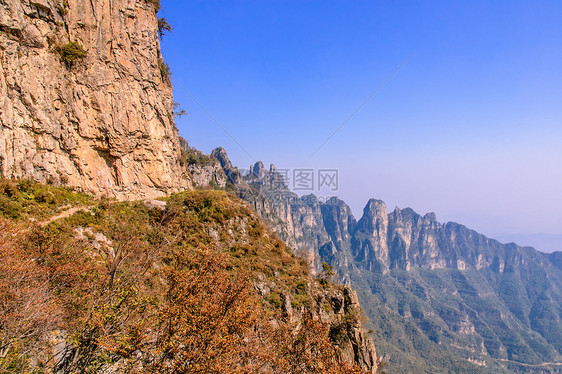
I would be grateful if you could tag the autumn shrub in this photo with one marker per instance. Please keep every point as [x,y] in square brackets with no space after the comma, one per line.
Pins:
[70,53]
[310,350]
[135,289]
[28,311]
[192,156]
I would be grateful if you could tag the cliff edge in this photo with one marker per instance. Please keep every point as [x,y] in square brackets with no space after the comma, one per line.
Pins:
[85,98]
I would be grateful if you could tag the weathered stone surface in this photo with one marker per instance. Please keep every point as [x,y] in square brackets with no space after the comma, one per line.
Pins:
[370,240]
[210,175]
[230,171]
[338,307]
[205,171]
[104,124]
[420,280]
[312,230]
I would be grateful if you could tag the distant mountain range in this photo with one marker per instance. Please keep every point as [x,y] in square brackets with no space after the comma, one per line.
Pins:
[440,297]
[543,242]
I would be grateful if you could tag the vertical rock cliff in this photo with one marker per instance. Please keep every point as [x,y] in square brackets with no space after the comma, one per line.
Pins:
[85,99]
[314,231]
[441,296]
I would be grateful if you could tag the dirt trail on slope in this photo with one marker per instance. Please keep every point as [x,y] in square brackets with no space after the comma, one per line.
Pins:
[66,213]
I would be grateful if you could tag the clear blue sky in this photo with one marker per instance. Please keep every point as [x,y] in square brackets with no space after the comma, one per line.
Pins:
[469,128]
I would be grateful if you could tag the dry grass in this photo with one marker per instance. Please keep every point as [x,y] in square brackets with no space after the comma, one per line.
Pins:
[144,290]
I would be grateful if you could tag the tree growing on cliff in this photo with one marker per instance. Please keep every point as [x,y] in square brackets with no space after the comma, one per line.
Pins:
[163,27]
[70,53]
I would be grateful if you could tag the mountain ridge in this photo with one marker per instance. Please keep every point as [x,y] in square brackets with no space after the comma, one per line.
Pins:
[86,104]
[191,283]
[444,296]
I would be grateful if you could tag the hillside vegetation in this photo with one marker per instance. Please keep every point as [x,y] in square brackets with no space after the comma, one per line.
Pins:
[194,284]
[441,298]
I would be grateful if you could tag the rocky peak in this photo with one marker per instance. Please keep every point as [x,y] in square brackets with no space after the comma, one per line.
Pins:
[375,217]
[258,170]
[220,154]
[369,244]
[430,217]
[374,208]
[231,172]
[85,99]
[269,182]
[339,222]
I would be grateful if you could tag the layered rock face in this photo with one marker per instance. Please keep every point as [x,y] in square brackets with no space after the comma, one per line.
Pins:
[103,122]
[297,220]
[445,297]
[309,228]
[85,101]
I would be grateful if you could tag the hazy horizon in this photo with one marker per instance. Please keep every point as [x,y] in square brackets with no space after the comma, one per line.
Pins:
[464,119]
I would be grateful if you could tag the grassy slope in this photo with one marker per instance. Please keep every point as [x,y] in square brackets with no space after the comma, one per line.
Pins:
[123,286]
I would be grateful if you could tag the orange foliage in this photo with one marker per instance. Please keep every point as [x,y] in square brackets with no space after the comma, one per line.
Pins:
[27,307]
[153,294]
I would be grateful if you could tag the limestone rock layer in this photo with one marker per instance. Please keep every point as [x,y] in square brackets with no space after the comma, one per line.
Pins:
[104,122]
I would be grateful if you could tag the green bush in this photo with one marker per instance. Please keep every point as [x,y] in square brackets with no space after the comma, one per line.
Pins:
[26,198]
[327,274]
[9,188]
[163,27]
[256,230]
[301,288]
[26,185]
[9,208]
[44,196]
[71,52]
[194,157]
[165,71]
[338,334]
[275,300]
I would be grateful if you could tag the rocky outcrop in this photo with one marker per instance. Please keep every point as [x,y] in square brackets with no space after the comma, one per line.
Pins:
[230,171]
[359,347]
[297,220]
[100,120]
[445,297]
[205,171]
[337,307]
[312,230]
[370,245]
